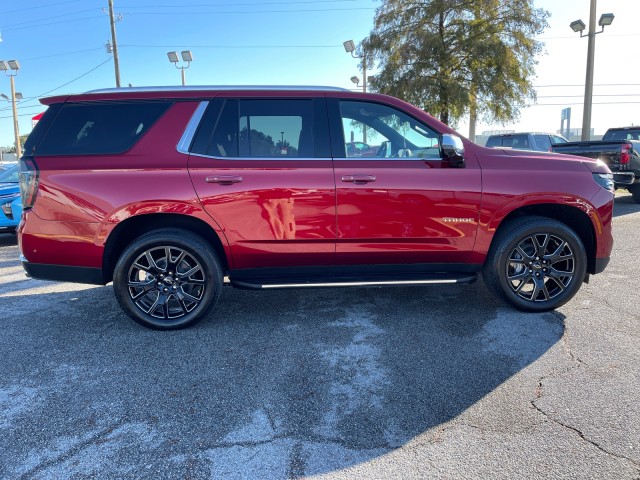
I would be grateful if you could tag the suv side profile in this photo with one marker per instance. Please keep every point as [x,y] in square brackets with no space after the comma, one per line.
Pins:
[172,193]
[540,142]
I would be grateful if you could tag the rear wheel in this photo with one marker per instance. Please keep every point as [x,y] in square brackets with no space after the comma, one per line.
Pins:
[167,279]
[535,264]
[634,190]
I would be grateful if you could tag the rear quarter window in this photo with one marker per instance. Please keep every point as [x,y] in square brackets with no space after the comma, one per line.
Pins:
[99,128]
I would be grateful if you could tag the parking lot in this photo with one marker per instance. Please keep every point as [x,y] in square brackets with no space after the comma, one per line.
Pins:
[414,382]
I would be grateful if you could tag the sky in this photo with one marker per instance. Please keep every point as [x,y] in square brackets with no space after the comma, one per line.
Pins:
[61,49]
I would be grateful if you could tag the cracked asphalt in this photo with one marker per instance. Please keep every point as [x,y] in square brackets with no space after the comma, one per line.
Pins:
[436,382]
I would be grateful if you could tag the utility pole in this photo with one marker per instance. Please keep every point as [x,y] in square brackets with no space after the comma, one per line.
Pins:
[116,61]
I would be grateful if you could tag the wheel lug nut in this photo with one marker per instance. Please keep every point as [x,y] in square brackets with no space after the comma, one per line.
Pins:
[537,258]
[530,271]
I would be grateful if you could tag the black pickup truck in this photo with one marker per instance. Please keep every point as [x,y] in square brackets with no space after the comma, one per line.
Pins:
[619,149]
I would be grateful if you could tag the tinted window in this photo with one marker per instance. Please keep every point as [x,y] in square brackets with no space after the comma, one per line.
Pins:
[375,130]
[555,139]
[517,142]
[494,142]
[622,135]
[542,142]
[85,129]
[261,129]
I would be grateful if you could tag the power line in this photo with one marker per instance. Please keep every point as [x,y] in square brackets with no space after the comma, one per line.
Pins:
[595,95]
[9,29]
[595,85]
[31,99]
[566,104]
[62,54]
[128,45]
[254,4]
[245,12]
[49,17]
[40,6]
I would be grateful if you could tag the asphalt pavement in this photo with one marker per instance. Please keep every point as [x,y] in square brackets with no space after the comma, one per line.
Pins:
[412,382]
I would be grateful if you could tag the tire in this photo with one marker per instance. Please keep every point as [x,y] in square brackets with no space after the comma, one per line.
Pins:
[150,292]
[535,264]
[634,190]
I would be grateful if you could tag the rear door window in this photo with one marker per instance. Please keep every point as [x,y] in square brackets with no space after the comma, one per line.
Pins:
[264,128]
[99,128]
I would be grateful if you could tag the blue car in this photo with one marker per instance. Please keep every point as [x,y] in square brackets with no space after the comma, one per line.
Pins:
[10,203]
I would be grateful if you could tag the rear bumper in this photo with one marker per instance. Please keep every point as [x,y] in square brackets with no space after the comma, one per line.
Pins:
[623,178]
[62,273]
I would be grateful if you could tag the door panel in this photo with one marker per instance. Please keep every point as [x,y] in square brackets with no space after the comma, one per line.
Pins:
[412,212]
[412,208]
[274,200]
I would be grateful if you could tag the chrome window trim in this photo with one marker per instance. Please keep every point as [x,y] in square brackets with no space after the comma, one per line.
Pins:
[389,158]
[190,130]
[244,159]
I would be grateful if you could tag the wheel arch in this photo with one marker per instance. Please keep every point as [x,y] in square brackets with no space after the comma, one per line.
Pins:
[133,227]
[573,217]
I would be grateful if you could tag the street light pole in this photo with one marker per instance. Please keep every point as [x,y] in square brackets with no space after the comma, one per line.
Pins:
[187,56]
[10,68]
[588,87]
[350,47]
[14,107]
[578,26]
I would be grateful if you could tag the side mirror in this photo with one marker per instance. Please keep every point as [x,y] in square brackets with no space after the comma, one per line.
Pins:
[452,150]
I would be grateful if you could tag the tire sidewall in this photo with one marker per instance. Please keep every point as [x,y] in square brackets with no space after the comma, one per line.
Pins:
[187,241]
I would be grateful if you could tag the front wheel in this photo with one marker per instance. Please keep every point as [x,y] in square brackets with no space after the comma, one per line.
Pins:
[535,264]
[167,279]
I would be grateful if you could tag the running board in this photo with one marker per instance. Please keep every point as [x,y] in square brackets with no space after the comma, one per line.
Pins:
[264,284]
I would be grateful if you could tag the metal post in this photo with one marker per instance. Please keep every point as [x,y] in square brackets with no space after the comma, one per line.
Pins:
[183,79]
[588,87]
[116,61]
[16,131]
[364,89]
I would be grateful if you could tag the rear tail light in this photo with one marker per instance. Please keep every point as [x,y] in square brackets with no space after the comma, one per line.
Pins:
[29,176]
[625,153]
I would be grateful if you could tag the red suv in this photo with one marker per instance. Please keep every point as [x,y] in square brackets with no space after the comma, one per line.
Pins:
[171,193]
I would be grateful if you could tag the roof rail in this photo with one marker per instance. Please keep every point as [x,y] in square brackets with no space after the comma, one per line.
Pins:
[194,88]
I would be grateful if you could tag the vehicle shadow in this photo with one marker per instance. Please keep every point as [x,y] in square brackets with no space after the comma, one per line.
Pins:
[274,384]
[624,204]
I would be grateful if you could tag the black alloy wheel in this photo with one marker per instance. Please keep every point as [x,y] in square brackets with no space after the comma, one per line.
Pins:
[167,279]
[535,264]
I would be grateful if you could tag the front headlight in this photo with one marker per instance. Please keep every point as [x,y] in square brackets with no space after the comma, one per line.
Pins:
[605,180]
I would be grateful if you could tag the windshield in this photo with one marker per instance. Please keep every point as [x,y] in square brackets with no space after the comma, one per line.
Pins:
[10,175]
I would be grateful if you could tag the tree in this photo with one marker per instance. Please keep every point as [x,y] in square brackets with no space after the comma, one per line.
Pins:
[12,148]
[453,56]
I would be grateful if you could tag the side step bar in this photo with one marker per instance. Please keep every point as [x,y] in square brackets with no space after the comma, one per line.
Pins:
[264,284]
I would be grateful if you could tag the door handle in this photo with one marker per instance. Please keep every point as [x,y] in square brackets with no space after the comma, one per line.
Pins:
[359,179]
[225,179]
